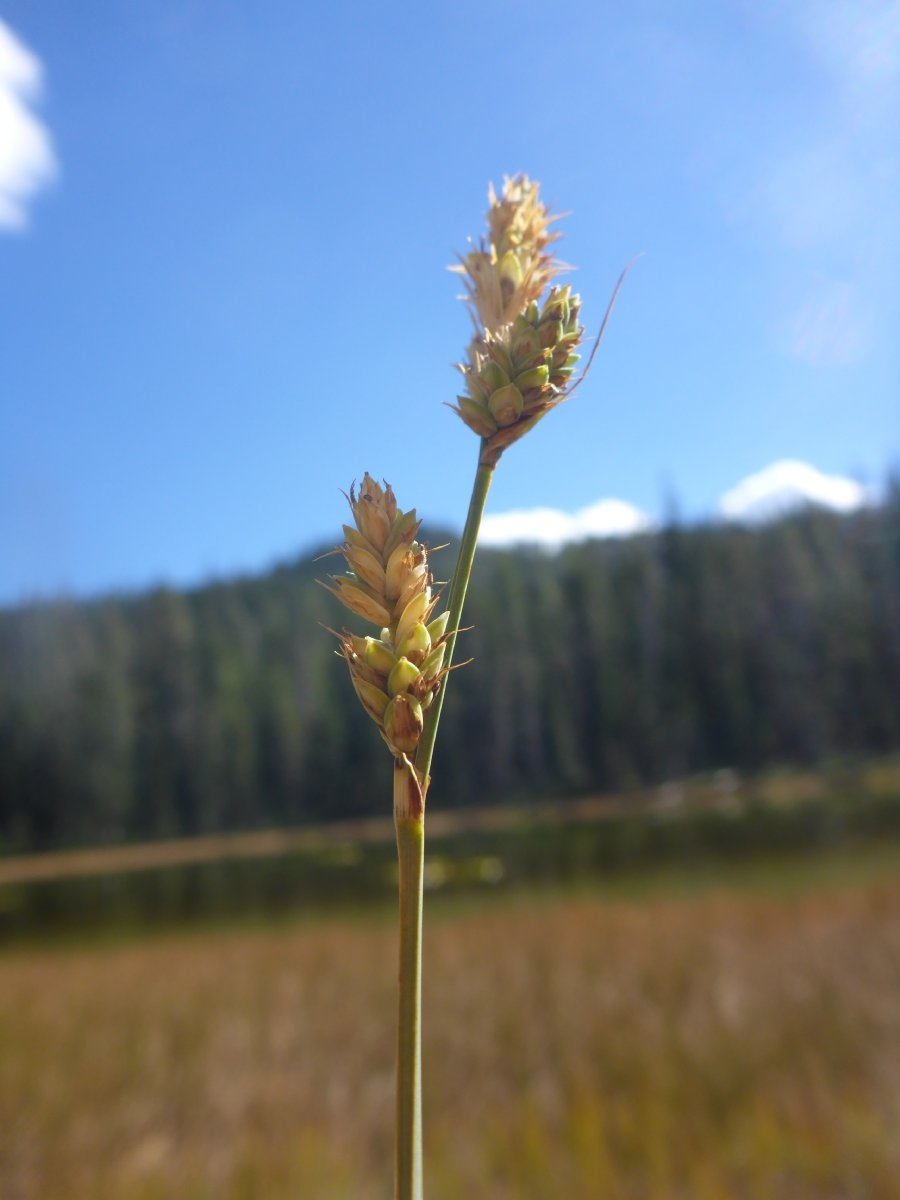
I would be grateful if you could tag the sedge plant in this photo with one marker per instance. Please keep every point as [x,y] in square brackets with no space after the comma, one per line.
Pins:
[519,365]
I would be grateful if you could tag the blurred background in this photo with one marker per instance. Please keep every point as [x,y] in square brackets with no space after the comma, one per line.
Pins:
[664,871]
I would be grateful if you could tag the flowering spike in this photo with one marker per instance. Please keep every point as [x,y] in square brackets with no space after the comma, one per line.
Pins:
[518,365]
[389,584]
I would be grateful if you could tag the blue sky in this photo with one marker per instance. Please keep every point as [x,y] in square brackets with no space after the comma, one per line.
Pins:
[224,230]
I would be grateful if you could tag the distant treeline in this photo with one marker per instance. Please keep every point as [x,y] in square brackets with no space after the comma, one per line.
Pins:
[609,665]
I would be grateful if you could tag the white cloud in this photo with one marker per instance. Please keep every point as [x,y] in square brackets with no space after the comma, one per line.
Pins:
[778,489]
[552,528]
[813,195]
[787,485]
[27,161]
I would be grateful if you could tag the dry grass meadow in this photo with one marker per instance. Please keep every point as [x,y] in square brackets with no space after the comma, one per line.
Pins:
[725,1045]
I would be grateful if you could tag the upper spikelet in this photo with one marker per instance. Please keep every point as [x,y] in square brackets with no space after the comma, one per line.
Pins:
[520,362]
[512,266]
[389,583]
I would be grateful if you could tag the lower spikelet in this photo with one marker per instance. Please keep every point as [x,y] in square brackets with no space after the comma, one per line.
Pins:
[396,675]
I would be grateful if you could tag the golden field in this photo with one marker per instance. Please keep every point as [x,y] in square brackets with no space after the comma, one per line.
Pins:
[733,1041]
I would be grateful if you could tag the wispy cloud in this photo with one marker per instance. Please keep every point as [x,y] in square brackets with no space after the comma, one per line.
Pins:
[860,45]
[552,528]
[829,326]
[27,161]
[787,485]
[822,186]
[837,174]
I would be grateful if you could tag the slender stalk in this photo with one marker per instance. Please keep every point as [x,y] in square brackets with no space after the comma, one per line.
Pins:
[409,820]
[458,588]
[411,854]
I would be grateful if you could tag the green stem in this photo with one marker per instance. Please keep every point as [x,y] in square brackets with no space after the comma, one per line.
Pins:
[409,819]
[411,856]
[458,587]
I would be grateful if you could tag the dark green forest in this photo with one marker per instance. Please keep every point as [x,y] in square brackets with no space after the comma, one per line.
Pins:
[607,666]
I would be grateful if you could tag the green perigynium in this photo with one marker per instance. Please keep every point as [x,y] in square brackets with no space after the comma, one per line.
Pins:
[515,376]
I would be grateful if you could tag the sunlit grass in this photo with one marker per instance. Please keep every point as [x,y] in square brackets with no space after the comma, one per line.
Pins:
[716,1046]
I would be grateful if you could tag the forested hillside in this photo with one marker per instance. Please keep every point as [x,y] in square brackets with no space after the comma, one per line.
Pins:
[610,664]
